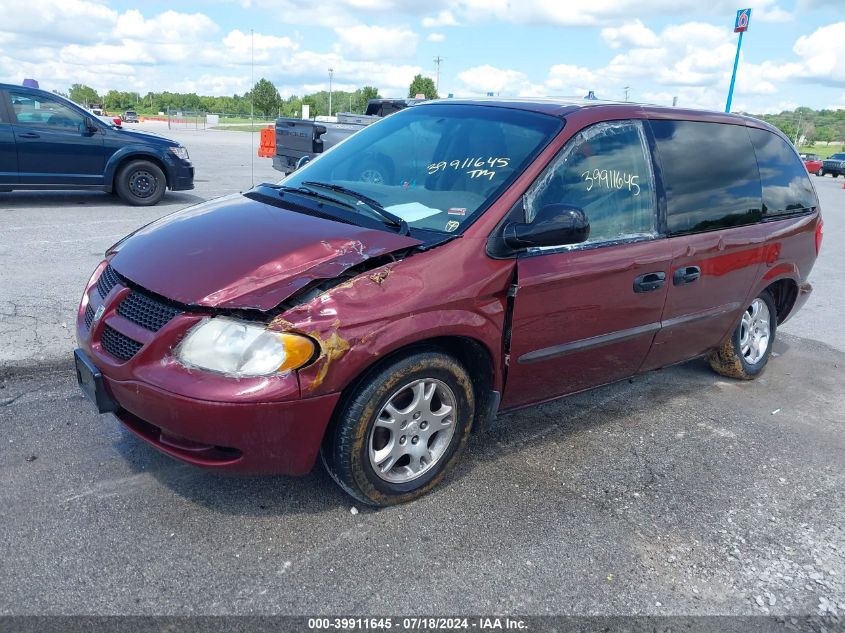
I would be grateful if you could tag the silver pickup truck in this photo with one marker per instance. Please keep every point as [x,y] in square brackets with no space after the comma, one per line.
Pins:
[298,139]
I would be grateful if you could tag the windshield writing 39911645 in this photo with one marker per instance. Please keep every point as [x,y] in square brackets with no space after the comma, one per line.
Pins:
[474,167]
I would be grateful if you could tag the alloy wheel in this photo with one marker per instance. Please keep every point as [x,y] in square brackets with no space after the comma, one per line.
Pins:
[412,431]
[755,330]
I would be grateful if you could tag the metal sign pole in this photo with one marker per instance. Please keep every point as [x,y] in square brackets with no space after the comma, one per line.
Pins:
[743,18]
[733,76]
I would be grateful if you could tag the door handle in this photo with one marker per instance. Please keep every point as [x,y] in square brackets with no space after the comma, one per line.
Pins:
[29,135]
[686,275]
[649,281]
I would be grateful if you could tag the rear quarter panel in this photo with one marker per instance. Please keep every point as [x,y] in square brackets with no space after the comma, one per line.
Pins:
[790,251]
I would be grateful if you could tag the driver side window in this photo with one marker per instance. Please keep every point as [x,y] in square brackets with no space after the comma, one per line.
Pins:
[36,111]
[604,170]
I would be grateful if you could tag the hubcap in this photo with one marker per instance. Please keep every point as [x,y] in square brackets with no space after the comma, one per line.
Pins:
[754,332]
[142,184]
[412,431]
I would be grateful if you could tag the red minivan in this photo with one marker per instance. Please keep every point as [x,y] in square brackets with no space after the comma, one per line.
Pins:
[508,253]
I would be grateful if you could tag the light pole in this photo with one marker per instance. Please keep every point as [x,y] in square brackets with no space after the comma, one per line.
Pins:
[331,75]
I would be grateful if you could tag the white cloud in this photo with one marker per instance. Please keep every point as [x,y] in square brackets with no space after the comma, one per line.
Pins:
[139,49]
[691,61]
[601,13]
[362,42]
[696,55]
[633,34]
[65,21]
[567,80]
[810,5]
[823,54]
[483,79]
[773,14]
[169,26]
[444,18]
[239,48]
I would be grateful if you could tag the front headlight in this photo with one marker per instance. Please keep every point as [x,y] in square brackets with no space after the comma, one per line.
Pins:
[240,348]
[179,152]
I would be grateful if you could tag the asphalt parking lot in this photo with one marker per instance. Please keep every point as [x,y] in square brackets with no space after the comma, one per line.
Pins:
[678,492]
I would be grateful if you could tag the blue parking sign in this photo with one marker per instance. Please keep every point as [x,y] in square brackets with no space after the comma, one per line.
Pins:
[743,17]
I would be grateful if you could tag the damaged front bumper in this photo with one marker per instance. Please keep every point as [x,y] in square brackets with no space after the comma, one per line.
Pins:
[248,437]
[249,424]
[260,437]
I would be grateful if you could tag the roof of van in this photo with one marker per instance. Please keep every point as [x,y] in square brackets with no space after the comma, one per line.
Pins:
[564,106]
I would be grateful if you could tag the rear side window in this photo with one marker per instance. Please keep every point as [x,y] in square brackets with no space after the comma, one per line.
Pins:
[710,175]
[605,171]
[786,184]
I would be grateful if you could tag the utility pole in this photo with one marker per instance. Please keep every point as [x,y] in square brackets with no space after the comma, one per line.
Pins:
[331,75]
[627,88]
[437,61]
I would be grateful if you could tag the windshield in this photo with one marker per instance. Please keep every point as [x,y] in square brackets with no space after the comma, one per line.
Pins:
[434,166]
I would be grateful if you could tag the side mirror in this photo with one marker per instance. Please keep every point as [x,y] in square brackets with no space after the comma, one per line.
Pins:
[89,127]
[555,225]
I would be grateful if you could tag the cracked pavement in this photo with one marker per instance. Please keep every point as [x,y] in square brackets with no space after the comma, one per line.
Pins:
[678,492]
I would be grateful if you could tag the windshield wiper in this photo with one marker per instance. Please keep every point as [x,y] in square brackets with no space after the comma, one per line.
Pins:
[303,191]
[375,205]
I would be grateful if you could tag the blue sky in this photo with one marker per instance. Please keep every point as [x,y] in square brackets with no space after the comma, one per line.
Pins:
[793,54]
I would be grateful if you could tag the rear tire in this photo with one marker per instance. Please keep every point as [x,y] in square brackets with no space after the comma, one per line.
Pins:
[745,354]
[401,430]
[140,183]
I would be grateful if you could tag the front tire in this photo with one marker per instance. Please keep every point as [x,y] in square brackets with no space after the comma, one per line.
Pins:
[745,354]
[402,429]
[140,183]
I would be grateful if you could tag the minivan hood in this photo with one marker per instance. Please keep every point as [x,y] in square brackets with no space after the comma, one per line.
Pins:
[235,252]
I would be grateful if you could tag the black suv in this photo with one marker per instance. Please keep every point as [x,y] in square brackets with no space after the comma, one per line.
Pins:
[48,142]
[835,166]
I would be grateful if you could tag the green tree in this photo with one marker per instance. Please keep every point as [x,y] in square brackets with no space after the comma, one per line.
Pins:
[825,134]
[362,96]
[83,95]
[423,85]
[265,97]
[788,128]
